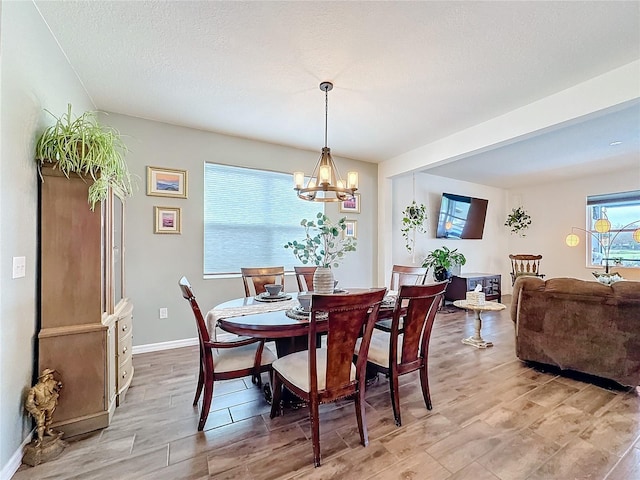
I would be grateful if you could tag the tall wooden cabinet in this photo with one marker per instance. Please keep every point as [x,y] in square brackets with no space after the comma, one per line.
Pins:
[83,307]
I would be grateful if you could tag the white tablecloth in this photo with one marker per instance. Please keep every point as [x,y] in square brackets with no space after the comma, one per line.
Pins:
[218,313]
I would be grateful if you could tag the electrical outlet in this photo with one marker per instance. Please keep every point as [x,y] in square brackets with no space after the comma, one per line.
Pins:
[164,312]
[19,267]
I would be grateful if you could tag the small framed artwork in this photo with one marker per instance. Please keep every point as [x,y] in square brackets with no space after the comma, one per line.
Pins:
[167,220]
[352,229]
[166,182]
[351,205]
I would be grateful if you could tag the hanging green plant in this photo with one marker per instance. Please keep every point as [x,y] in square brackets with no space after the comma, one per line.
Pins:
[518,221]
[413,218]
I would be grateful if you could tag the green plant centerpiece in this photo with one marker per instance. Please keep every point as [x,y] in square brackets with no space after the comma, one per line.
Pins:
[441,260]
[518,221]
[85,147]
[413,218]
[324,245]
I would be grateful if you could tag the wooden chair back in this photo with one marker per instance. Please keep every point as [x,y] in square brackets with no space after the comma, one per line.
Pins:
[304,277]
[413,318]
[525,264]
[255,278]
[247,356]
[349,316]
[404,275]
[344,318]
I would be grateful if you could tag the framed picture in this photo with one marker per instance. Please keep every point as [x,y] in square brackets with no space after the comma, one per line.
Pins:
[351,205]
[166,182]
[352,229]
[167,220]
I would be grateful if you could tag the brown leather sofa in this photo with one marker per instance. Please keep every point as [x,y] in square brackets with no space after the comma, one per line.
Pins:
[579,325]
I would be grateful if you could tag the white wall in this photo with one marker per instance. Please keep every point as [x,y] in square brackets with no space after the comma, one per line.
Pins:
[484,256]
[154,263]
[35,75]
[554,209]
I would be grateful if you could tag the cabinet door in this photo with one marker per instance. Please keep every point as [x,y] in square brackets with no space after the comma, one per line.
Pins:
[118,249]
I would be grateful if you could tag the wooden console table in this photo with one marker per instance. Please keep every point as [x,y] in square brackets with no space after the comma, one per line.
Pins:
[466,282]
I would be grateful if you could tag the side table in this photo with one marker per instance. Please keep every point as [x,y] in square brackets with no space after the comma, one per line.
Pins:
[477,340]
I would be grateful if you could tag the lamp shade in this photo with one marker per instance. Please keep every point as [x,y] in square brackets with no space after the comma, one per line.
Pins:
[602,225]
[572,240]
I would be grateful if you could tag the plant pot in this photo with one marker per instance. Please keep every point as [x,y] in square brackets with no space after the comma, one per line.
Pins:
[323,280]
[440,274]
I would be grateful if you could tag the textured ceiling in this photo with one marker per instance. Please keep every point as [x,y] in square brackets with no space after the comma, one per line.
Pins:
[405,73]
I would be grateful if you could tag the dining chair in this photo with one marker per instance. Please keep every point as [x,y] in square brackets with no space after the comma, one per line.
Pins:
[304,277]
[405,348]
[404,275]
[525,264]
[255,278]
[239,358]
[326,374]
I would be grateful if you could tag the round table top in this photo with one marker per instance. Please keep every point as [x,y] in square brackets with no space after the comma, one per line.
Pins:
[486,307]
[270,324]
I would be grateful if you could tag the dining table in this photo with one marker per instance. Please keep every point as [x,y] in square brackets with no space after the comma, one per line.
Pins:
[278,320]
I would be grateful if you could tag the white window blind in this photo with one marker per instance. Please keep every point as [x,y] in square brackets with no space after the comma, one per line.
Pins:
[249,215]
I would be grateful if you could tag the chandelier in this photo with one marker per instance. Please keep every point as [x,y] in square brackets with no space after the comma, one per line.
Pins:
[325,183]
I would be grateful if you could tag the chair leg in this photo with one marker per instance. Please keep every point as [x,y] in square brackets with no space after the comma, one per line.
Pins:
[395,397]
[276,384]
[315,430]
[424,381]
[360,416]
[206,402]
[200,385]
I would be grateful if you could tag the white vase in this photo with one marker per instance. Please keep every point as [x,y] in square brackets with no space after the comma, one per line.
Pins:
[323,280]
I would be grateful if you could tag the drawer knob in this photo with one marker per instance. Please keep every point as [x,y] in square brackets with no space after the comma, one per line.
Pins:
[124,350]
[124,328]
[124,374]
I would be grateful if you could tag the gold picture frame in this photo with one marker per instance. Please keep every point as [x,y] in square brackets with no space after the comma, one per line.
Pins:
[167,220]
[351,205]
[351,230]
[166,182]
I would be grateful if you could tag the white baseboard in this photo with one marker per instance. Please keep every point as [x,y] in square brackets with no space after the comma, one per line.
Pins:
[156,347]
[15,461]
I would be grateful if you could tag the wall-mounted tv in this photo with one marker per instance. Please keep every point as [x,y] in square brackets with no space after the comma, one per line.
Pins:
[461,217]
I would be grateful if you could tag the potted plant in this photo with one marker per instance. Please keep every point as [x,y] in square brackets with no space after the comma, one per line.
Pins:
[86,148]
[441,260]
[324,245]
[518,221]
[413,218]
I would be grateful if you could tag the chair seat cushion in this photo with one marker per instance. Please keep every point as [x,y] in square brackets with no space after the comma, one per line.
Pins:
[239,358]
[295,369]
[379,348]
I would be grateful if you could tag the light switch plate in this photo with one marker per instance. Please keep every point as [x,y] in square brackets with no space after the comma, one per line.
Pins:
[19,267]
[164,312]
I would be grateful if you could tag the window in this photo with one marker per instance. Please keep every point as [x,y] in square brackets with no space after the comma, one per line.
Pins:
[249,215]
[616,246]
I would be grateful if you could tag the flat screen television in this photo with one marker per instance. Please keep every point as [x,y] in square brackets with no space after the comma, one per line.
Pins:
[461,217]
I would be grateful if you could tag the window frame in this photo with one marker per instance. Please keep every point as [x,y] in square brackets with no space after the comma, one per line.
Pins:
[599,206]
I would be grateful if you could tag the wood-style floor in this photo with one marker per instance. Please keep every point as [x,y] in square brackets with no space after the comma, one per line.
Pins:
[493,418]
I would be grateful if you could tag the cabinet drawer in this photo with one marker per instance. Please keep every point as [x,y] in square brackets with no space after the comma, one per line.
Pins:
[125,372]
[124,348]
[124,326]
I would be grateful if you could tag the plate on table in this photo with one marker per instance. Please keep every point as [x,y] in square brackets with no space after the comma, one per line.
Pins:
[265,297]
[299,313]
